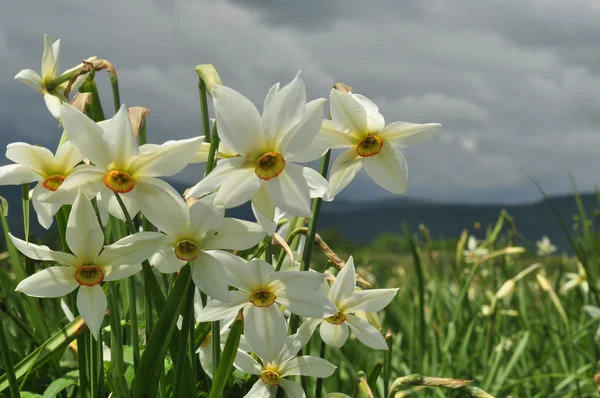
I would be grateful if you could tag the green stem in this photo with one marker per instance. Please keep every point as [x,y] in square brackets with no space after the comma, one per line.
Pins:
[212,151]
[94,365]
[7,363]
[312,232]
[387,364]
[116,342]
[114,84]
[204,110]
[25,197]
[290,239]
[319,385]
[187,324]
[133,322]
[82,362]
[90,87]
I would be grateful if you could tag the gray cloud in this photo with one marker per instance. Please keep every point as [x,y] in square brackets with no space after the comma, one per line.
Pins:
[515,83]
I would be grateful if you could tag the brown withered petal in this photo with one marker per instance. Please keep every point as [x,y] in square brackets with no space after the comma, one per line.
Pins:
[137,115]
[81,100]
[343,87]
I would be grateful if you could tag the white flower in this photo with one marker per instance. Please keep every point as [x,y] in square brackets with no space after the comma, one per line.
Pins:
[268,147]
[474,253]
[357,124]
[576,279]
[275,368]
[35,163]
[123,167]
[545,247]
[594,312]
[89,265]
[260,292]
[53,96]
[192,233]
[335,329]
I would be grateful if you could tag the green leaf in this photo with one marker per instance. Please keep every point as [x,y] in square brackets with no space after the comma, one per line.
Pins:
[228,356]
[58,385]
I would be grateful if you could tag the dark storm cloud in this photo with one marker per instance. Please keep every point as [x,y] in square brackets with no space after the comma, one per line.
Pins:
[514,83]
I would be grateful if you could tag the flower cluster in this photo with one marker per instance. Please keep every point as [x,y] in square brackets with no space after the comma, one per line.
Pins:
[101,170]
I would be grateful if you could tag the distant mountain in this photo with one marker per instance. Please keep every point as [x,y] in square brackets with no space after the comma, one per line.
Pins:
[361,222]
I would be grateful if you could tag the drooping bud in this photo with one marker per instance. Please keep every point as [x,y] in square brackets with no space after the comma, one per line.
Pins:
[506,289]
[209,76]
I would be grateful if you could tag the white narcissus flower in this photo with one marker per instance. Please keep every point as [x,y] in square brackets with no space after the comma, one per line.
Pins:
[123,167]
[576,279]
[545,247]
[474,253]
[335,329]
[268,147]
[35,163]
[260,292]
[53,96]
[193,235]
[279,365]
[356,124]
[90,264]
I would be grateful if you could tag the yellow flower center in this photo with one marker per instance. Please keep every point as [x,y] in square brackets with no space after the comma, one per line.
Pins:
[187,250]
[206,341]
[270,377]
[119,181]
[53,182]
[262,298]
[269,165]
[369,146]
[336,319]
[89,275]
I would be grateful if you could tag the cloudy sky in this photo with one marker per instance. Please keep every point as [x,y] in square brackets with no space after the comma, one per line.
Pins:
[515,83]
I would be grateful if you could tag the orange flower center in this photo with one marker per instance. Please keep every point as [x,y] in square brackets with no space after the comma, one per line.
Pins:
[206,341]
[53,182]
[270,377]
[119,181]
[369,146]
[336,319]
[89,275]
[187,250]
[269,165]
[262,298]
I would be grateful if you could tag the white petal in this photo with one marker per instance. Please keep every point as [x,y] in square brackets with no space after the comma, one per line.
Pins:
[45,211]
[301,135]
[43,253]
[292,389]
[216,310]
[48,70]
[163,206]
[234,234]
[132,249]
[261,390]
[261,271]
[66,157]
[272,91]
[35,157]
[84,235]
[166,261]
[347,111]
[201,155]
[86,136]
[265,331]
[388,169]
[316,182]
[122,271]
[166,159]
[54,105]
[210,277]
[246,363]
[238,120]
[56,53]
[31,78]
[369,300]
[118,135]
[307,366]
[158,201]
[289,191]
[240,275]
[15,174]
[366,333]
[314,304]
[331,137]
[91,303]
[206,360]
[334,335]
[344,169]
[216,177]
[49,282]
[89,180]
[264,210]
[284,110]
[238,188]
[307,329]
[268,225]
[303,280]
[307,155]
[401,134]
[344,284]
[293,345]
[204,218]
[375,120]
[114,208]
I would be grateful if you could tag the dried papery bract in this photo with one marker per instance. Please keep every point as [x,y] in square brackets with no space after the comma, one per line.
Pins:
[90,64]
[81,101]
[137,115]
[343,87]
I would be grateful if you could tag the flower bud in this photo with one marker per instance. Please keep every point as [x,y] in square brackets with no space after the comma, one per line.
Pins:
[209,75]
[506,289]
